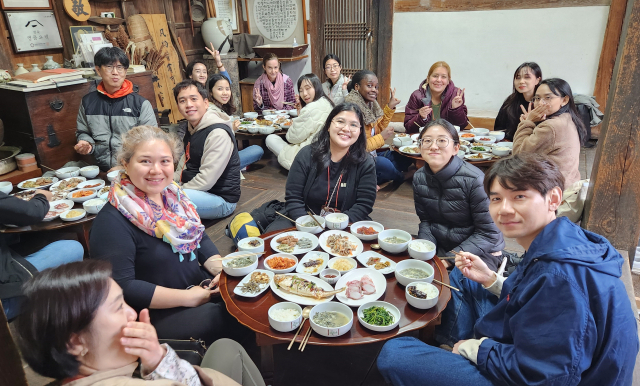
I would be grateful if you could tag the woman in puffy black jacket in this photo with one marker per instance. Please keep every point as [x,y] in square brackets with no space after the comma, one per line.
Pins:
[450,199]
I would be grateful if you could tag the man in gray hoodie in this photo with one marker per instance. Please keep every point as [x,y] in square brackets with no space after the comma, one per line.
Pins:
[209,170]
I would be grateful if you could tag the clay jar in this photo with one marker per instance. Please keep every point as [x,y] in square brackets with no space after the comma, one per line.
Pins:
[215,31]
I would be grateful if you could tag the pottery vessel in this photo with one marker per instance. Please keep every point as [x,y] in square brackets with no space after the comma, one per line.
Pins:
[20,70]
[34,68]
[50,64]
[215,31]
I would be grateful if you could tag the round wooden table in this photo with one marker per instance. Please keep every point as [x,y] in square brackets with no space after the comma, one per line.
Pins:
[252,312]
[420,162]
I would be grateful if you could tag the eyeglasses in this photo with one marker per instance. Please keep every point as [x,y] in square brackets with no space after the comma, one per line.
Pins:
[441,142]
[547,99]
[334,66]
[340,123]
[110,68]
[203,284]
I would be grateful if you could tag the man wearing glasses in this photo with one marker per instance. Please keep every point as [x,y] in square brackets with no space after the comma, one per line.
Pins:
[111,110]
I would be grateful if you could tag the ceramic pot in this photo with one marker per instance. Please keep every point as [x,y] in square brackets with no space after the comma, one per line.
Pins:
[50,64]
[20,70]
[34,68]
[215,31]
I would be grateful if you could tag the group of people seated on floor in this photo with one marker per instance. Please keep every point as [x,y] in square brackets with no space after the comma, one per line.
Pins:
[562,317]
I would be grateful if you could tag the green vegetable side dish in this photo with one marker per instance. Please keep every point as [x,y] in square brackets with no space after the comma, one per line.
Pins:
[478,148]
[377,316]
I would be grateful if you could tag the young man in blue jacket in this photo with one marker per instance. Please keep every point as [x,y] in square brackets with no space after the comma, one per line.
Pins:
[562,318]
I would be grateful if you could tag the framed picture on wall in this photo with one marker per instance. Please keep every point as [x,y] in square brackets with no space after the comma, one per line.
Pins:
[25,4]
[33,30]
[226,9]
[279,21]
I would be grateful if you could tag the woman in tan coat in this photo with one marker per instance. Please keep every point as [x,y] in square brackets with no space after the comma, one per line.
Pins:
[77,328]
[553,128]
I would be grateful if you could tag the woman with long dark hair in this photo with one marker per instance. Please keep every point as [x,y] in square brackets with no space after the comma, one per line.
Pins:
[273,89]
[313,109]
[525,80]
[335,173]
[552,127]
[336,85]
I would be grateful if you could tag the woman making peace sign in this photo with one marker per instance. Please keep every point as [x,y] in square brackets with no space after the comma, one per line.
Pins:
[437,97]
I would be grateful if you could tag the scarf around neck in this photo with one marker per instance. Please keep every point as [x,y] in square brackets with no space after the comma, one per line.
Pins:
[126,89]
[176,222]
[275,90]
[370,111]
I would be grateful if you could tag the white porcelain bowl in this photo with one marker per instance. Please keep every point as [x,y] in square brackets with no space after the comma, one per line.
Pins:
[239,271]
[112,175]
[469,137]
[422,255]
[485,140]
[285,326]
[280,271]
[251,114]
[337,220]
[461,154]
[266,130]
[68,172]
[330,271]
[6,187]
[404,264]
[332,331]
[94,205]
[293,113]
[63,215]
[243,245]
[500,151]
[457,128]
[268,112]
[393,310]
[422,304]
[498,135]
[82,199]
[253,129]
[480,131]
[305,219]
[507,144]
[90,171]
[393,248]
[402,141]
[375,225]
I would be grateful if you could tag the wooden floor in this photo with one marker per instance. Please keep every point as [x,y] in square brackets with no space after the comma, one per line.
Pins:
[394,208]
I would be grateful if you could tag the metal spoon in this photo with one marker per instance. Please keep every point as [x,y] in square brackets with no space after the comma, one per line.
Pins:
[375,246]
[305,315]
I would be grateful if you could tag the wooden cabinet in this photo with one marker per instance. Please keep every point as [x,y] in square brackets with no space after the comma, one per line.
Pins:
[44,122]
[246,93]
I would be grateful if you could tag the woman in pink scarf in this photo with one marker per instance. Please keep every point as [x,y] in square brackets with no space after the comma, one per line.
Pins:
[273,89]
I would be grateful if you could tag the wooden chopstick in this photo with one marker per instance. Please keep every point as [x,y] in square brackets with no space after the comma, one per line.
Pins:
[297,332]
[446,285]
[248,254]
[303,344]
[288,103]
[314,218]
[417,124]
[470,124]
[293,221]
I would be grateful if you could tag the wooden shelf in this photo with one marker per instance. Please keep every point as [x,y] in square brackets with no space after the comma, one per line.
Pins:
[280,59]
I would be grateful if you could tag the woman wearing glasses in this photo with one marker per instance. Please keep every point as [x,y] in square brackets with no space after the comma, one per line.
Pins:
[450,199]
[336,85]
[152,235]
[552,127]
[335,173]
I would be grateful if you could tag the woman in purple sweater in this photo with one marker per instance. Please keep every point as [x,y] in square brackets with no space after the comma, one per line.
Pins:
[437,97]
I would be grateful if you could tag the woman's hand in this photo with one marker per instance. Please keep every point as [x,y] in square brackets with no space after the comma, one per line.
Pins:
[456,346]
[140,339]
[387,133]
[83,147]
[257,97]
[473,268]
[424,112]
[457,100]
[47,193]
[298,105]
[536,115]
[199,296]
[393,101]
[216,56]
[346,82]
[236,124]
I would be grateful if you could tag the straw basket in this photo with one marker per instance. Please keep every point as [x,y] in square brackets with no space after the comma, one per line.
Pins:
[139,34]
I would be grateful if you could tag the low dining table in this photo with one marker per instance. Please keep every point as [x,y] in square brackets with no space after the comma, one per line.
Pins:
[484,164]
[252,312]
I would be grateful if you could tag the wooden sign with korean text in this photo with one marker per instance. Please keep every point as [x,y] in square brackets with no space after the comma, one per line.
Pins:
[79,10]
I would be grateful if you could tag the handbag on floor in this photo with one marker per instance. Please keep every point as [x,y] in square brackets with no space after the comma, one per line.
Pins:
[191,350]
[255,223]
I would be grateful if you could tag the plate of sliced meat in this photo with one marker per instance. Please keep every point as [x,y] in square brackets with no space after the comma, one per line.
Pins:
[364,285]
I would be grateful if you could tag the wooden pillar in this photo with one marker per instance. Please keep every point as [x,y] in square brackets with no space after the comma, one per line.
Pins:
[385,38]
[612,208]
[316,30]
[10,363]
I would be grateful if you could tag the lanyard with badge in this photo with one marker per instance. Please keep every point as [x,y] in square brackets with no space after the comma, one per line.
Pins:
[326,208]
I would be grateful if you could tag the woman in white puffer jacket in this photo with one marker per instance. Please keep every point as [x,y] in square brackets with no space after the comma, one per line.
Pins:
[313,109]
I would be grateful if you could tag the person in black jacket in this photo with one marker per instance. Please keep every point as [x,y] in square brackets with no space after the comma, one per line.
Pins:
[14,269]
[450,200]
[335,173]
[527,76]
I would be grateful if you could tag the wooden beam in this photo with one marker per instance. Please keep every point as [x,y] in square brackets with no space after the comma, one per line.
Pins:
[613,200]
[316,30]
[10,364]
[608,56]
[384,43]
[487,5]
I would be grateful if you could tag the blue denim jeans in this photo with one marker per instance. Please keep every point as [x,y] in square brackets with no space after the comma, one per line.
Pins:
[464,309]
[249,155]
[53,255]
[209,206]
[407,361]
[390,166]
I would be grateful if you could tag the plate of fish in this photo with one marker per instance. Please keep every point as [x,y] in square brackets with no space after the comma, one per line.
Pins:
[303,289]
[313,262]
[363,285]
[411,149]
[25,195]
[294,242]
[254,284]
[341,243]
[56,208]
[477,157]
[37,183]
[378,262]
[67,185]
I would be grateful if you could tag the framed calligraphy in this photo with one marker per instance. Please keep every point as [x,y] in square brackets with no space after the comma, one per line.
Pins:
[226,9]
[278,21]
[33,30]
[26,4]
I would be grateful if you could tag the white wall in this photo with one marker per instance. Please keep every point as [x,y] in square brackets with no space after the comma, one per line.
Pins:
[484,48]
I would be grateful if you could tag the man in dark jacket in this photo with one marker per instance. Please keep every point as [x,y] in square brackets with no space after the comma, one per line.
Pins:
[14,269]
[110,111]
[562,318]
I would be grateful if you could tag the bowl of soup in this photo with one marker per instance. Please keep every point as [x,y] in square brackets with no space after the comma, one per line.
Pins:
[411,270]
[251,244]
[331,319]
[394,240]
